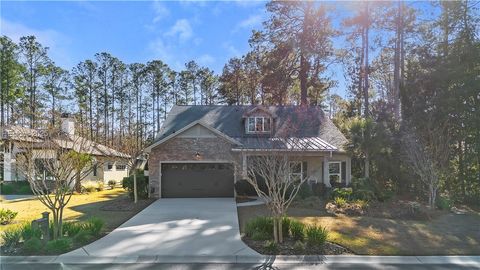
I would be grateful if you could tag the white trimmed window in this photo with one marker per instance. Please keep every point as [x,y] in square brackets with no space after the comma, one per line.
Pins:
[335,172]
[259,124]
[109,166]
[120,167]
[298,170]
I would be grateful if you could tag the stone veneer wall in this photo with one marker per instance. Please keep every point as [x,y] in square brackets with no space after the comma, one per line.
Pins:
[184,149]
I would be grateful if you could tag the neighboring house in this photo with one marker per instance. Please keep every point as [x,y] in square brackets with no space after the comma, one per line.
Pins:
[201,151]
[110,163]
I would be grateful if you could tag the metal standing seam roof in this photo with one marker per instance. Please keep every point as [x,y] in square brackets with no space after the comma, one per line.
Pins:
[295,127]
[275,143]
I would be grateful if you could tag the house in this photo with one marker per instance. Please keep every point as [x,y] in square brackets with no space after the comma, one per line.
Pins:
[201,151]
[110,163]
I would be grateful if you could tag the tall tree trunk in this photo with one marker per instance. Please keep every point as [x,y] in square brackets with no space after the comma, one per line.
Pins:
[396,73]
[365,93]
[461,167]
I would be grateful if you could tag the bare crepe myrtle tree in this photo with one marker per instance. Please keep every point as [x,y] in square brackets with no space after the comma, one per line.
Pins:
[428,156]
[274,171]
[133,150]
[52,166]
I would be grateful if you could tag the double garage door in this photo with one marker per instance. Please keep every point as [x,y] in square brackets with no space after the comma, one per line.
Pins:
[197,180]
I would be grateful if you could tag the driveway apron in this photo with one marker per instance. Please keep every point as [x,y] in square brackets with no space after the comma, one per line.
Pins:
[175,227]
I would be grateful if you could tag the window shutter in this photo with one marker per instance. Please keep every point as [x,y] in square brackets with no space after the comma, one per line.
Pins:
[323,180]
[344,171]
[304,169]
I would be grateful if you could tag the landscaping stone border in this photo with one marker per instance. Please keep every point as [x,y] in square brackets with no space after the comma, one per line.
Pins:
[281,259]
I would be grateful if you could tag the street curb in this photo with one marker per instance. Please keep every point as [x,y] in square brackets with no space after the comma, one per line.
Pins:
[245,259]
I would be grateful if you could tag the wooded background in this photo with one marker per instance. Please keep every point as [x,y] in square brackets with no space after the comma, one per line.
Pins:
[403,74]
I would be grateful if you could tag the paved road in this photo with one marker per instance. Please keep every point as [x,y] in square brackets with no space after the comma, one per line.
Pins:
[148,266]
[175,227]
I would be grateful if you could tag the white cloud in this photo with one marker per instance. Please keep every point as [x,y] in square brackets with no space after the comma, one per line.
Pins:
[231,49]
[54,40]
[181,28]
[205,59]
[160,10]
[250,22]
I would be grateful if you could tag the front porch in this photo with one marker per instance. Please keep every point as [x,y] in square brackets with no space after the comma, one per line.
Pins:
[330,168]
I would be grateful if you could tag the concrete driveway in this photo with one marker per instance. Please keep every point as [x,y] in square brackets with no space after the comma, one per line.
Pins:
[175,227]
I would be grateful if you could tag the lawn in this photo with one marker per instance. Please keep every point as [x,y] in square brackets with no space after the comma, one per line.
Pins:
[448,234]
[110,205]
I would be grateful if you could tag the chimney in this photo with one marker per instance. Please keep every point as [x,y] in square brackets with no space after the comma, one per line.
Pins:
[68,124]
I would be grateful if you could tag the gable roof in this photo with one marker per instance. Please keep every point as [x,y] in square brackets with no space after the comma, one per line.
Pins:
[66,141]
[185,128]
[291,121]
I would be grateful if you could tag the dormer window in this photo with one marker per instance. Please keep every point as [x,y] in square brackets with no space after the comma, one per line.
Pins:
[259,124]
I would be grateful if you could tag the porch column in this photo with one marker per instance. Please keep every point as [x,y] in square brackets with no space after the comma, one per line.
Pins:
[244,165]
[326,181]
[349,171]
[7,166]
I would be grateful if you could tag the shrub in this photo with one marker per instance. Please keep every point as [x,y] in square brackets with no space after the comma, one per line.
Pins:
[319,189]
[271,246]
[33,245]
[19,188]
[71,228]
[305,191]
[364,194]
[24,190]
[261,235]
[285,226]
[6,216]
[93,226]
[361,203]
[82,237]
[7,189]
[29,232]
[345,193]
[112,183]
[414,207]
[443,203]
[297,230]
[58,246]
[299,247]
[316,236]
[142,185]
[100,186]
[89,187]
[262,225]
[340,202]
[11,237]
[244,188]
[385,195]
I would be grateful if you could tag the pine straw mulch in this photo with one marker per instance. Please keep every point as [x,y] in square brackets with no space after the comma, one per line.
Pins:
[287,248]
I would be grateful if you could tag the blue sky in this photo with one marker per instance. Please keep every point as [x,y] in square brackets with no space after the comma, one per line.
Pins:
[208,32]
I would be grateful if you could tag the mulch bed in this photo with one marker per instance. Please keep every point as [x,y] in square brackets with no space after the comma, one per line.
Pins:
[124,203]
[286,248]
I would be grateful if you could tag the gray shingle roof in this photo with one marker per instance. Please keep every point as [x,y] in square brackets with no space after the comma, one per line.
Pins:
[75,142]
[306,127]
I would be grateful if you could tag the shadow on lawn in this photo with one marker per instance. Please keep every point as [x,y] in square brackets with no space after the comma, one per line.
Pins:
[449,234]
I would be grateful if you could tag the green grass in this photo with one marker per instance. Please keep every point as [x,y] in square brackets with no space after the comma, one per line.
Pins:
[81,207]
[448,234]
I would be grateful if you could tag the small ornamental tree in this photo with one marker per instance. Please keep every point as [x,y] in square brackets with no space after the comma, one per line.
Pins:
[428,156]
[130,146]
[273,171]
[52,165]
